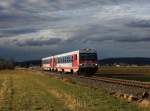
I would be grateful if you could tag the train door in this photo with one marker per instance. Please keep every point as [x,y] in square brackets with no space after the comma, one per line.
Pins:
[54,62]
[50,63]
[75,61]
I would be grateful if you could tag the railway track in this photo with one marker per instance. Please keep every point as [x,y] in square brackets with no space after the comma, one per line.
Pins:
[138,89]
[138,84]
[132,83]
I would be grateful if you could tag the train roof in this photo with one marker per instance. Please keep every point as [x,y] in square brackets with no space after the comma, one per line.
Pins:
[45,58]
[87,50]
[68,53]
[77,51]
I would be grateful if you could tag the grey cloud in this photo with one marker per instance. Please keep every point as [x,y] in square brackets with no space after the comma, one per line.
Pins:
[97,34]
[121,39]
[134,39]
[139,24]
[87,23]
[16,31]
[38,42]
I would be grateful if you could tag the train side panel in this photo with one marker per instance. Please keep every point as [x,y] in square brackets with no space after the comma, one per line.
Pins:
[81,61]
[67,62]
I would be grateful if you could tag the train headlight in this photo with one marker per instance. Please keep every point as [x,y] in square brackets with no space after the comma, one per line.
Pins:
[81,64]
[95,64]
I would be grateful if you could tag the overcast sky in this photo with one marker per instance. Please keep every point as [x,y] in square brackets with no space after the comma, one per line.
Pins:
[31,29]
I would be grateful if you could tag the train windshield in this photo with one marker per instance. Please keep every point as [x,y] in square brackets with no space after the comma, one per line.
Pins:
[88,56]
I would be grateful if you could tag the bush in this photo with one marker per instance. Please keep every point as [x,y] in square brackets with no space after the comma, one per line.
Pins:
[7,64]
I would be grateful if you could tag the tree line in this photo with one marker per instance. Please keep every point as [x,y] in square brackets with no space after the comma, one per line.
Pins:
[7,64]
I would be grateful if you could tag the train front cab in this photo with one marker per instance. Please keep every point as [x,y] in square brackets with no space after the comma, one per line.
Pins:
[88,63]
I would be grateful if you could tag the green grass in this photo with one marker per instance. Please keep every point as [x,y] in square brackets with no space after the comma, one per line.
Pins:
[141,78]
[32,91]
[124,70]
[131,73]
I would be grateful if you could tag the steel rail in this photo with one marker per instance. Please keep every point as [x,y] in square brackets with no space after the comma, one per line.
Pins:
[139,84]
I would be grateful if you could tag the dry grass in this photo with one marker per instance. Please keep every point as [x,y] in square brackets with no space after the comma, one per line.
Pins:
[25,95]
[22,90]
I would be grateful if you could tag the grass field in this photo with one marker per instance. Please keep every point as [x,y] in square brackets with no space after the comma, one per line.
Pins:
[124,70]
[132,73]
[22,90]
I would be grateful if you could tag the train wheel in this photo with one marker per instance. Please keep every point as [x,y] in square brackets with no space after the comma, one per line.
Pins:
[52,70]
[63,71]
[71,71]
[79,72]
[56,70]
[62,74]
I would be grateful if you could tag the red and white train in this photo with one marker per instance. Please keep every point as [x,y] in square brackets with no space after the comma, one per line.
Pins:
[80,61]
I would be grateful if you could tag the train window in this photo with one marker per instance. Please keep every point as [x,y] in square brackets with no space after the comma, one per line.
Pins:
[67,59]
[63,60]
[57,60]
[70,58]
[45,61]
[88,56]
